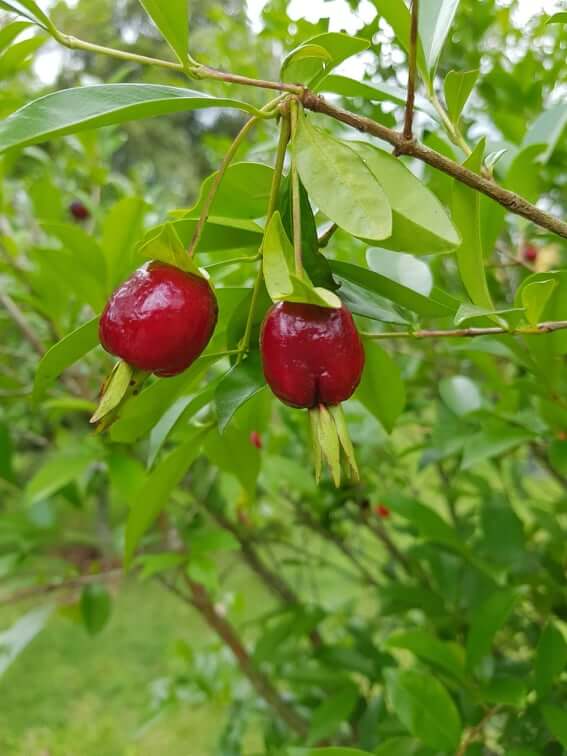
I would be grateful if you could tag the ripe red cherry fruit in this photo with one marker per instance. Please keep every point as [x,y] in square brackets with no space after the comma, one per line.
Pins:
[159,320]
[311,355]
[530,253]
[79,211]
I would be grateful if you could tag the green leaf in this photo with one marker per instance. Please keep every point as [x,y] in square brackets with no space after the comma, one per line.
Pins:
[431,526]
[435,20]
[397,14]
[460,394]
[446,656]
[420,223]
[167,247]
[524,173]
[17,56]
[557,18]
[406,270]
[556,721]
[458,88]
[122,229]
[10,32]
[220,234]
[346,87]
[74,110]
[396,747]
[64,354]
[233,452]
[243,382]
[278,262]
[535,297]
[487,620]
[494,439]
[172,19]
[468,312]
[466,216]
[547,129]
[6,452]
[551,659]
[381,389]
[154,564]
[431,306]
[425,708]
[329,752]
[340,183]
[207,540]
[114,391]
[336,709]
[329,442]
[243,193]
[58,471]
[153,497]
[96,606]
[506,691]
[30,10]
[17,637]
[316,57]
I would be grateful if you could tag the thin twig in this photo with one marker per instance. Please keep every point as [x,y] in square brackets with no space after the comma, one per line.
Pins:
[326,237]
[296,197]
[412,75]
[536,330]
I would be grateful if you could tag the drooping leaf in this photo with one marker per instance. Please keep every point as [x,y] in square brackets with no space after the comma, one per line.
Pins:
[64,354]
[381,389]
[425,708]
[172,19]
[28,9]
[340,183]
[220,233]
[72,110]
[435,20]
[316,57]
[12,31]
[20,55]
[458,88]
[487,620]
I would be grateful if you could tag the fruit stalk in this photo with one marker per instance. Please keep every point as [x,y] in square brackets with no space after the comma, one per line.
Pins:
[295,194]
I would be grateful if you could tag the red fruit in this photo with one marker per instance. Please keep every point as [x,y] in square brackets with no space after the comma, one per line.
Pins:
[382,511]
[311,355]
[159,320]
[79,211]
[256,439]
[530,253]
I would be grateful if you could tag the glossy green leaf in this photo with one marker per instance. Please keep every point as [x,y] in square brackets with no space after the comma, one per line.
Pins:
[340,183]
[172,19]
[425,708]
[74,110]
[28,9]
[460,394]
[446,656]
[19,55]
[557,18]
[468,312]
[555,309]
[373,91]
[243,382]
[524,174]
[487,620]
[551,659]
[547,129]
[243,193]
[57,471]
[96,606]
[420,224]
[466,216]
[12,31]
[220,234]
[114,391]
[64,354]
[458,88]
[381,389]
[153,497]
[316,57]
[281,281]
[167,247]
[535,297]
[432,306]
[556,721]
[334,710]
[435,20]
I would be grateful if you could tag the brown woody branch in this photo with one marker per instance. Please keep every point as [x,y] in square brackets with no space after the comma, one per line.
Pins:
[509,200]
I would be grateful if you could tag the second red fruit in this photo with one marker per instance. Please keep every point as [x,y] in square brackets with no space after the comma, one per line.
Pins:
[159,320]
[311,355]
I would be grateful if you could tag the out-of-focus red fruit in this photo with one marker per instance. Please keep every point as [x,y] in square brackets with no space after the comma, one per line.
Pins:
[79,211]
[382,511]
[160,320]
[256,439]
[530,253]
[311,355]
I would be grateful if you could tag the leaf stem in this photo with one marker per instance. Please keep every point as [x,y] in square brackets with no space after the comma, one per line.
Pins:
[536,330]
[295,194]
[412,75]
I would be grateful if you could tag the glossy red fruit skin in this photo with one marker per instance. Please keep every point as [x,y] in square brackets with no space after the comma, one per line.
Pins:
[79,211]
[530,253]
[160,319]
[311,355]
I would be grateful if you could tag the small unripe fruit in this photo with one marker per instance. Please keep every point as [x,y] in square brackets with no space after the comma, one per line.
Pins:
[79,211]
[530,253]
[311,355]
[160,320]
[256,439]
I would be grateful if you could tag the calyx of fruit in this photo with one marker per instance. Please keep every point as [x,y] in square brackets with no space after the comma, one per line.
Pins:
[313,359]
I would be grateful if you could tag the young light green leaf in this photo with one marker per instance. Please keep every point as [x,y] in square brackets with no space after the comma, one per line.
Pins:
[167,247]
[381,389]
[425,708]
[468,312]
[535,297]
[30,10]
[487,620]
[435,20]
[551,659]
[556,721]
[115,390]
[340,183]
[74,110]
[243,382]
[19,55]
[420,222]
[547,129]
[96,606]
[172,19]
[10,32]
[466,216]
[460,394]
[64,354]
[148,502]
[317,57]
[458,88]
[278,263]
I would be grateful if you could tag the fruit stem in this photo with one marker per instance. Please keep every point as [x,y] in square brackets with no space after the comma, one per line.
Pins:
[295,194]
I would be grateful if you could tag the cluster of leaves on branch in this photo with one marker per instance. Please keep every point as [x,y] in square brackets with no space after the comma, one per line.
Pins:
[419,608]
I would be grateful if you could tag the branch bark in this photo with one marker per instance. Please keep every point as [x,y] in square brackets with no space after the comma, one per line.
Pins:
[453,333]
